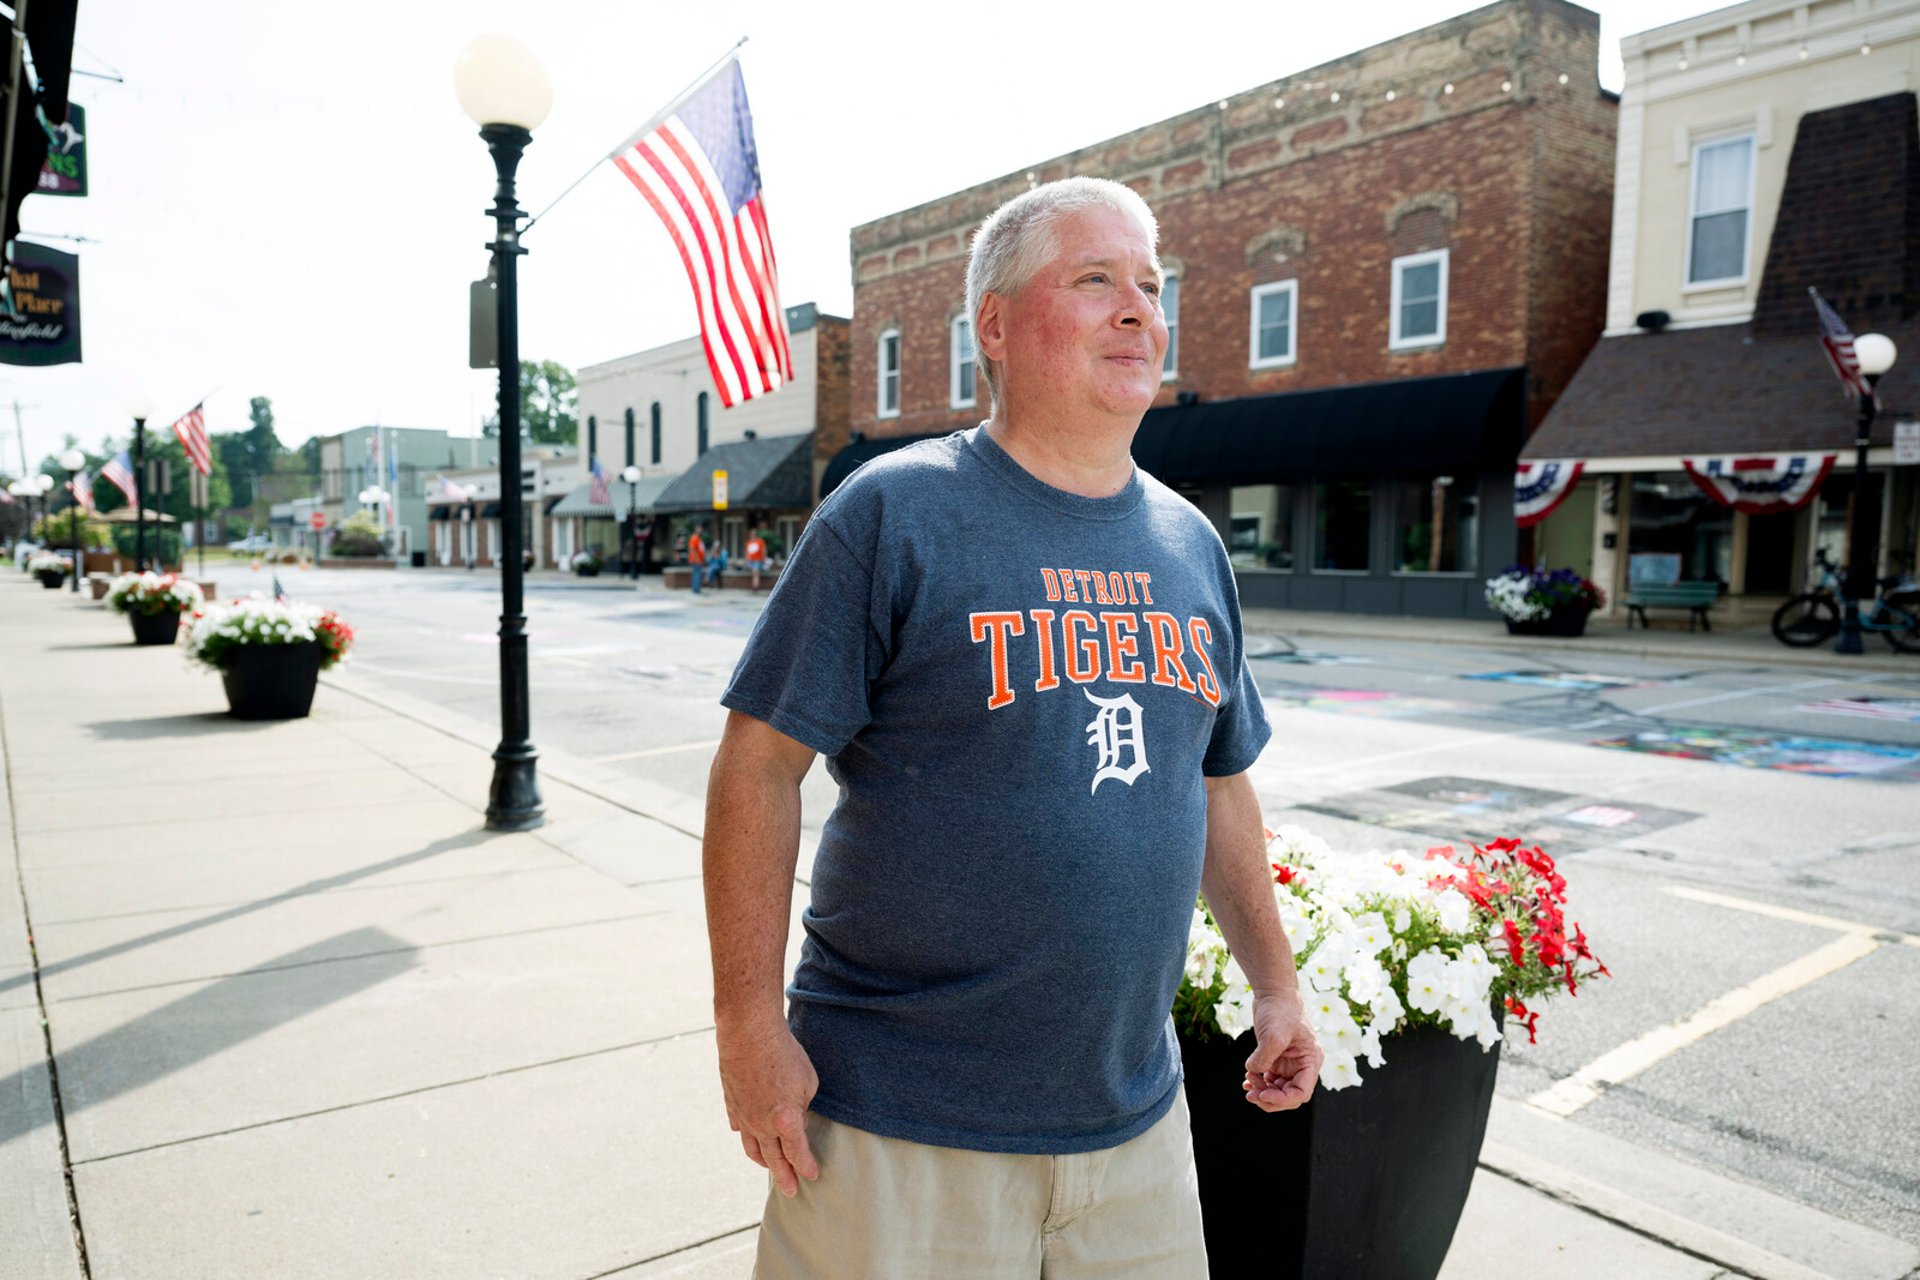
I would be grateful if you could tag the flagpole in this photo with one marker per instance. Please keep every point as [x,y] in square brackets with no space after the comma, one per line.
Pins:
[699,83]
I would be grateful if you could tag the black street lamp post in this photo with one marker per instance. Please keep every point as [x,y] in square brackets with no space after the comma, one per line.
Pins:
[140,411]
[73,460]
[1876,354]
[506,93]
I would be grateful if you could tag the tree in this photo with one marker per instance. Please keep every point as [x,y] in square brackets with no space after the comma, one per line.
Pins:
[249,454]
[549,399]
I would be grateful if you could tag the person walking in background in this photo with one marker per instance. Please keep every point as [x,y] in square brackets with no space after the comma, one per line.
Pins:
[697,555]
[756,555]
[977,1073]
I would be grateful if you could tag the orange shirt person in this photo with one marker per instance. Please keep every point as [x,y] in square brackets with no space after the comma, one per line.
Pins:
[697,557]
[756,556]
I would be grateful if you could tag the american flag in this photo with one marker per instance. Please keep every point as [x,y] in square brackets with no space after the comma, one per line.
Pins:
[597,492]
[192,430]
[700,172]
[120,471]
[81,486]
[1837,339]
[455,492]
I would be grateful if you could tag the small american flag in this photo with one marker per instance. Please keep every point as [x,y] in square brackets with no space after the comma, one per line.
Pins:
[192,430]
[1837,340]
[120,471]
[455,492]
[597,492]
[81,486]
[700,172]
[279,592]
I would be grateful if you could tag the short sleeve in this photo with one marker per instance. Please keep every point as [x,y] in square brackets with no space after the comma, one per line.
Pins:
[813,655]
[1240,729]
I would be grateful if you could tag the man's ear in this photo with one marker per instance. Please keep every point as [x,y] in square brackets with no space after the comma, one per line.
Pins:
[990,328]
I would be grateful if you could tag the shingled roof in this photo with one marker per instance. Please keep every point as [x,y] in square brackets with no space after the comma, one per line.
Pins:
[1849,225]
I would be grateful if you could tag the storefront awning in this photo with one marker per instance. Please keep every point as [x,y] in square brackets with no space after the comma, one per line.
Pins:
[772,473]
[579,500]
[1464,422]
[1646,401]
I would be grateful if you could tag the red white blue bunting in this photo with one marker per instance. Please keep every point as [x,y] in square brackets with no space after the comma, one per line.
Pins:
[1539,487]
[1760,485]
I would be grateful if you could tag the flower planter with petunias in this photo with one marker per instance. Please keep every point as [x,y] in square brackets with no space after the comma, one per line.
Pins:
[1412,967]
[52,570]
[1542,602]
[269,653]
[153,603]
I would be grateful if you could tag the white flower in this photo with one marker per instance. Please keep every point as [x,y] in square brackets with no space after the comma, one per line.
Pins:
[1368,935]
[1339,1072]
[1427,980]
[1366,979]
[1455,912]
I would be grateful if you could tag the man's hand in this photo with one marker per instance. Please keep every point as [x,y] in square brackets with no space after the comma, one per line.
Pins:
[768,1083]
[1286,1061]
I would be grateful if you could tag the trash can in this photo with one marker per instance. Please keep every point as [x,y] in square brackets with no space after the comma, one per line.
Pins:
[419,559]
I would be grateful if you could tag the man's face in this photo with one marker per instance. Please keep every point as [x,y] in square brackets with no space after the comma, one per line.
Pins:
[1087,331]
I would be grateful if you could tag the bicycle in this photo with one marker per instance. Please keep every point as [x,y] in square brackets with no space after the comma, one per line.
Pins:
[1813,617]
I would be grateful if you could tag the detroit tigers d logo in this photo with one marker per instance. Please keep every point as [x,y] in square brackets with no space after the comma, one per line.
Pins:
[1116,730]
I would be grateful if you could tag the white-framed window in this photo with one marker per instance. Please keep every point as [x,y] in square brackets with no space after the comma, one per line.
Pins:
[1170,307]
[961,362]
[1720,221]
[1270,335]
[1419,300]
[888,393]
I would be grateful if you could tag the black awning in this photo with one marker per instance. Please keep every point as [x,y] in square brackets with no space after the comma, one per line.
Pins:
[842,464]
[1463,422]
[488,510]
[442,512]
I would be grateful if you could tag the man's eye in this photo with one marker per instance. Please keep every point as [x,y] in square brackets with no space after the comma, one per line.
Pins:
[1150,287]
[1096,278]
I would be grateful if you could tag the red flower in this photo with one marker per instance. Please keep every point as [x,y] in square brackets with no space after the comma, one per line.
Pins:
[1516,945]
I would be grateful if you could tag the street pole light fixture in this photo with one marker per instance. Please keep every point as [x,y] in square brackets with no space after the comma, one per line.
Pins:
[72,461]
[43,485]
[140,409]
[632,476]
[503,89]
[1876,353]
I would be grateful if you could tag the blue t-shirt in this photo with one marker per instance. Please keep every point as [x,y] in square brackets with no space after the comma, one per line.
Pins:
[1019,691]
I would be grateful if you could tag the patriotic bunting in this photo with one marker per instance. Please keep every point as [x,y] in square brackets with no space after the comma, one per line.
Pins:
[1539,487]
[1762,485]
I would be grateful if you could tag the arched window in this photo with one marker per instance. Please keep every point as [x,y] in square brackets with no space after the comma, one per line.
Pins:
[700,411]
[656,433]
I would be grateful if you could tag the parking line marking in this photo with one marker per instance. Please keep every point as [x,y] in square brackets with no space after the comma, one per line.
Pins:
[1788,913]
[1630,1059]
[653,751]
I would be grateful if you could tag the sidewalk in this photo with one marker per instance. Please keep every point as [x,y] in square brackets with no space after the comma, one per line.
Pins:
[307,1018]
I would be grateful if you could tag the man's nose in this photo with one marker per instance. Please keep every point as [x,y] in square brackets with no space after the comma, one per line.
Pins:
[1136,306]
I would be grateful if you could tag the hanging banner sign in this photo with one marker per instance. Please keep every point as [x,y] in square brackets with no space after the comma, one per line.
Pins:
[719,491]
[46,297]
[1539,487]
[65,172]
[1761,485]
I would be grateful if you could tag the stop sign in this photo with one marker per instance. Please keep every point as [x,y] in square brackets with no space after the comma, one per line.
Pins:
[318,520]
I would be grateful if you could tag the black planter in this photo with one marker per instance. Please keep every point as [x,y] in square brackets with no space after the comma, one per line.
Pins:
[51,580]
[272,681]
[1366,1183]
[587,570]
[155,628]
[1570,621]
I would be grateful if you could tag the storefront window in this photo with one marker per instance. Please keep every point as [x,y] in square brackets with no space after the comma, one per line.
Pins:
[1438,525]
[1262,527]
[1678,533]
[1342,526]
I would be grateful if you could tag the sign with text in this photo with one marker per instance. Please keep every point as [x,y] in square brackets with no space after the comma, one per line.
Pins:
[317,520]
[45,328]
[719,491]
[1906,443]
[65,172]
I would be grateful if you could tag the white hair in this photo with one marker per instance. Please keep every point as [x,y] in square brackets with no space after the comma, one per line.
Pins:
[1017,239]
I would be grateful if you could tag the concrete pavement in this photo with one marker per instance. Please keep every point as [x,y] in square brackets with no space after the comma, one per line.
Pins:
[272,1003]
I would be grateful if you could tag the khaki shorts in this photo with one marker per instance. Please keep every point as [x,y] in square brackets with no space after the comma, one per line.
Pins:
[885,1209]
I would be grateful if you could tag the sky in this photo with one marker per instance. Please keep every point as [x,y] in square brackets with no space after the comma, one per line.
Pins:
[292,207]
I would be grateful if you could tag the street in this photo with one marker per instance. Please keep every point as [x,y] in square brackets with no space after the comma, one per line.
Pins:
[1739,838]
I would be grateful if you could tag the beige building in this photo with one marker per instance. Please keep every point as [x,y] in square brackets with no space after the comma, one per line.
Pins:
[1764,149]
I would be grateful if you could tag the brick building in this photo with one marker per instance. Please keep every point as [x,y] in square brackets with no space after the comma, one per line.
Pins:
[1765,149]
[1382,271]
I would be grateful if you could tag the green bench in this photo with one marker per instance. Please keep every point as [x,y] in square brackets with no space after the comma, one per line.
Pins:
[1697,597]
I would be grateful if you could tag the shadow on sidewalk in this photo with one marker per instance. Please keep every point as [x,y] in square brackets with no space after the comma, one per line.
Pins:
[462,841]
[86,648]
[207,1021]
[192,724]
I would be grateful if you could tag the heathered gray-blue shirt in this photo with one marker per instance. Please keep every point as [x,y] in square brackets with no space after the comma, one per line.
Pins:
[1019,691]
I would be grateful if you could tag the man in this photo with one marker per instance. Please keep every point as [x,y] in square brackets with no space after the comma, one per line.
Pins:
[756,554]
[697,555]
[1023,661]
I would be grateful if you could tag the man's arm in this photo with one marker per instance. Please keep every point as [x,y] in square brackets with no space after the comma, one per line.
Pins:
[1238,885]
[748,854]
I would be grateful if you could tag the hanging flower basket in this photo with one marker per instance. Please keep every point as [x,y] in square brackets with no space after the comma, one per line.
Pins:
[153,603]
[1413,965]
[269,653]
[1539,602]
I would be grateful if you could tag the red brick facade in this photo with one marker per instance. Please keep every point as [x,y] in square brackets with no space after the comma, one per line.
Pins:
[1482,150]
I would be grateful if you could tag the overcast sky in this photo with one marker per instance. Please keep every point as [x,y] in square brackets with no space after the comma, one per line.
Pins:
[287,201]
